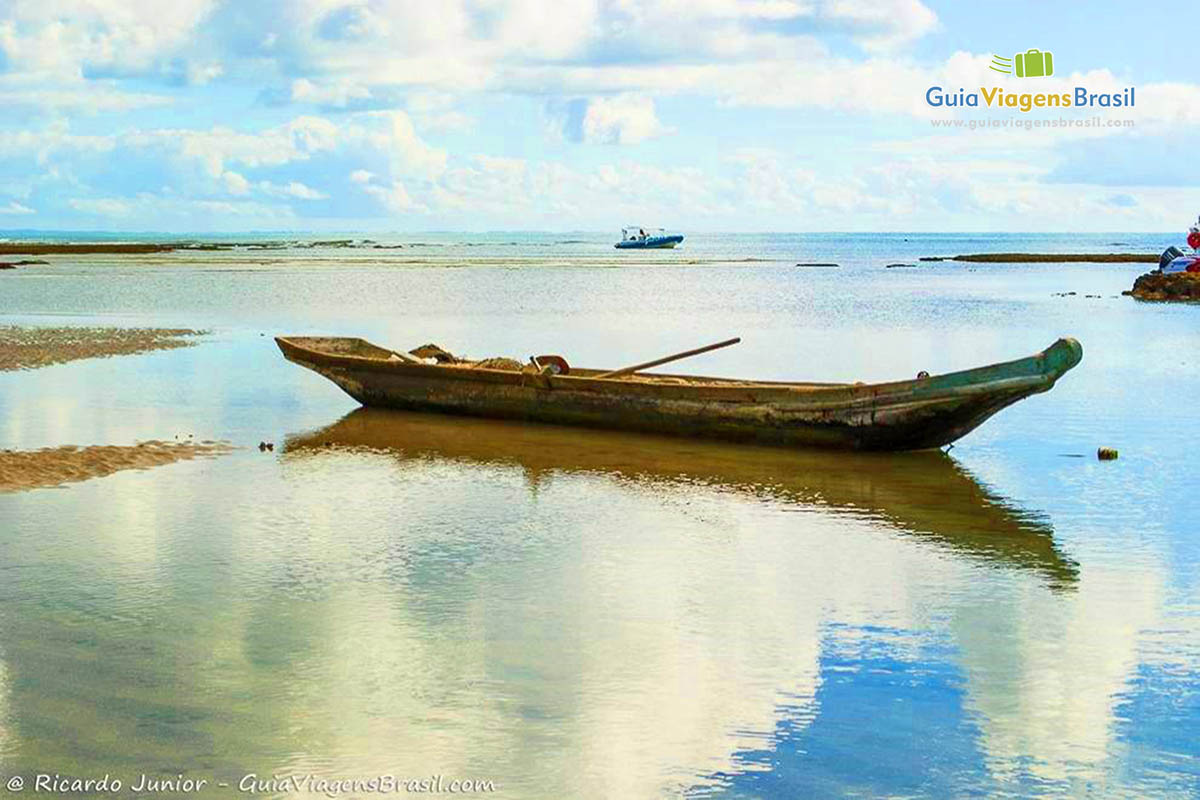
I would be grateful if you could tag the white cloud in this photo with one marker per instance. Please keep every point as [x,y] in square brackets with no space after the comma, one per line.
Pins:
[394,196]
[528,194]
[409,154]
[351,23]
[88,99]
[882,24]
[484,183]
[538,32]
[624,119]
[100,37]
[103,207]
[756,189]
[498,45]
[203,163]
[235,183]
[200,74]
[447,122]
[291,189]
[183,213]
[435,112]
[338,94]
[358,54]
[13,207]
[52,140]
[358,62]
[768,186]
[297,140]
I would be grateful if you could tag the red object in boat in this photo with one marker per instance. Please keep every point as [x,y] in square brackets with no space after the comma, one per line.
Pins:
[1194,240]
[1194,266]
[557,362]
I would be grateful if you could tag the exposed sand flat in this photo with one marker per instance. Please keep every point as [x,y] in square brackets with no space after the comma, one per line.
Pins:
[27,348]
[53,466]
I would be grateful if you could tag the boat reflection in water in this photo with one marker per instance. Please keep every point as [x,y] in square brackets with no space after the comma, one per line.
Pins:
[925,495]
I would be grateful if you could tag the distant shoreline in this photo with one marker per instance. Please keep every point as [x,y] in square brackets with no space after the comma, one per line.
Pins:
[142,248]
[1051,258]
[83,248]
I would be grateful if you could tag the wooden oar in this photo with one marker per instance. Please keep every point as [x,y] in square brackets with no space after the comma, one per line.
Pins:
[617,373]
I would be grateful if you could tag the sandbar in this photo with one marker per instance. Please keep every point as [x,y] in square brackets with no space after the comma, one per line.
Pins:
[32,347]
[53,466]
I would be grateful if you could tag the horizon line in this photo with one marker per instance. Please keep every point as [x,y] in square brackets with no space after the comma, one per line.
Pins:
[9,232]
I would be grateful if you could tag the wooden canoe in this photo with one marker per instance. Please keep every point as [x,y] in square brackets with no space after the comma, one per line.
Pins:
[904,415]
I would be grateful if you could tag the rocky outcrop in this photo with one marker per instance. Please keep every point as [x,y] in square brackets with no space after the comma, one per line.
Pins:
[1169,286]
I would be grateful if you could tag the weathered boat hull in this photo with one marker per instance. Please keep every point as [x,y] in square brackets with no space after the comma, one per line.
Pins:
[907,415]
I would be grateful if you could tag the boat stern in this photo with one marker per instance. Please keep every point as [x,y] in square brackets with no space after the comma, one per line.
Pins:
[333,357]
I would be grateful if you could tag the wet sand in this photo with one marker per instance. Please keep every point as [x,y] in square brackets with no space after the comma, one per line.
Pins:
[53,466]
[30,347]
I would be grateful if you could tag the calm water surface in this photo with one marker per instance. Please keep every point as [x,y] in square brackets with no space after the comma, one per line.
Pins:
[582,614]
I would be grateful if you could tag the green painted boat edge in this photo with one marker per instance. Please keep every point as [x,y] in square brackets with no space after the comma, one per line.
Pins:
[1045,367]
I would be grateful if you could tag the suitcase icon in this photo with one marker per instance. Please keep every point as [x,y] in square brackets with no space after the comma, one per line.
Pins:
[1034,64]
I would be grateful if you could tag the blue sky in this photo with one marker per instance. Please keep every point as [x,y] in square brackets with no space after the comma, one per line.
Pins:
[796,115]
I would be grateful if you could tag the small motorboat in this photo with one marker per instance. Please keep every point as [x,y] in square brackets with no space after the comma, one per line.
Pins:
[1174,260]
[638,238]
[919,414]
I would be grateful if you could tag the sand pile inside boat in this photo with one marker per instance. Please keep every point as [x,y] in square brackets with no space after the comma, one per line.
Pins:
[1167,286]
[53,466]
[439,354]
[507,364]
[28,348]
[446,358]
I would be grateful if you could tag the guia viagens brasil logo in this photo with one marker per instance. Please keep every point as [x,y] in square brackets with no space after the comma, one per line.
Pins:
[1032,63]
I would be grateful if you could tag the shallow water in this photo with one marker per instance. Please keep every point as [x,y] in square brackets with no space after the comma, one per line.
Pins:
[597,615]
